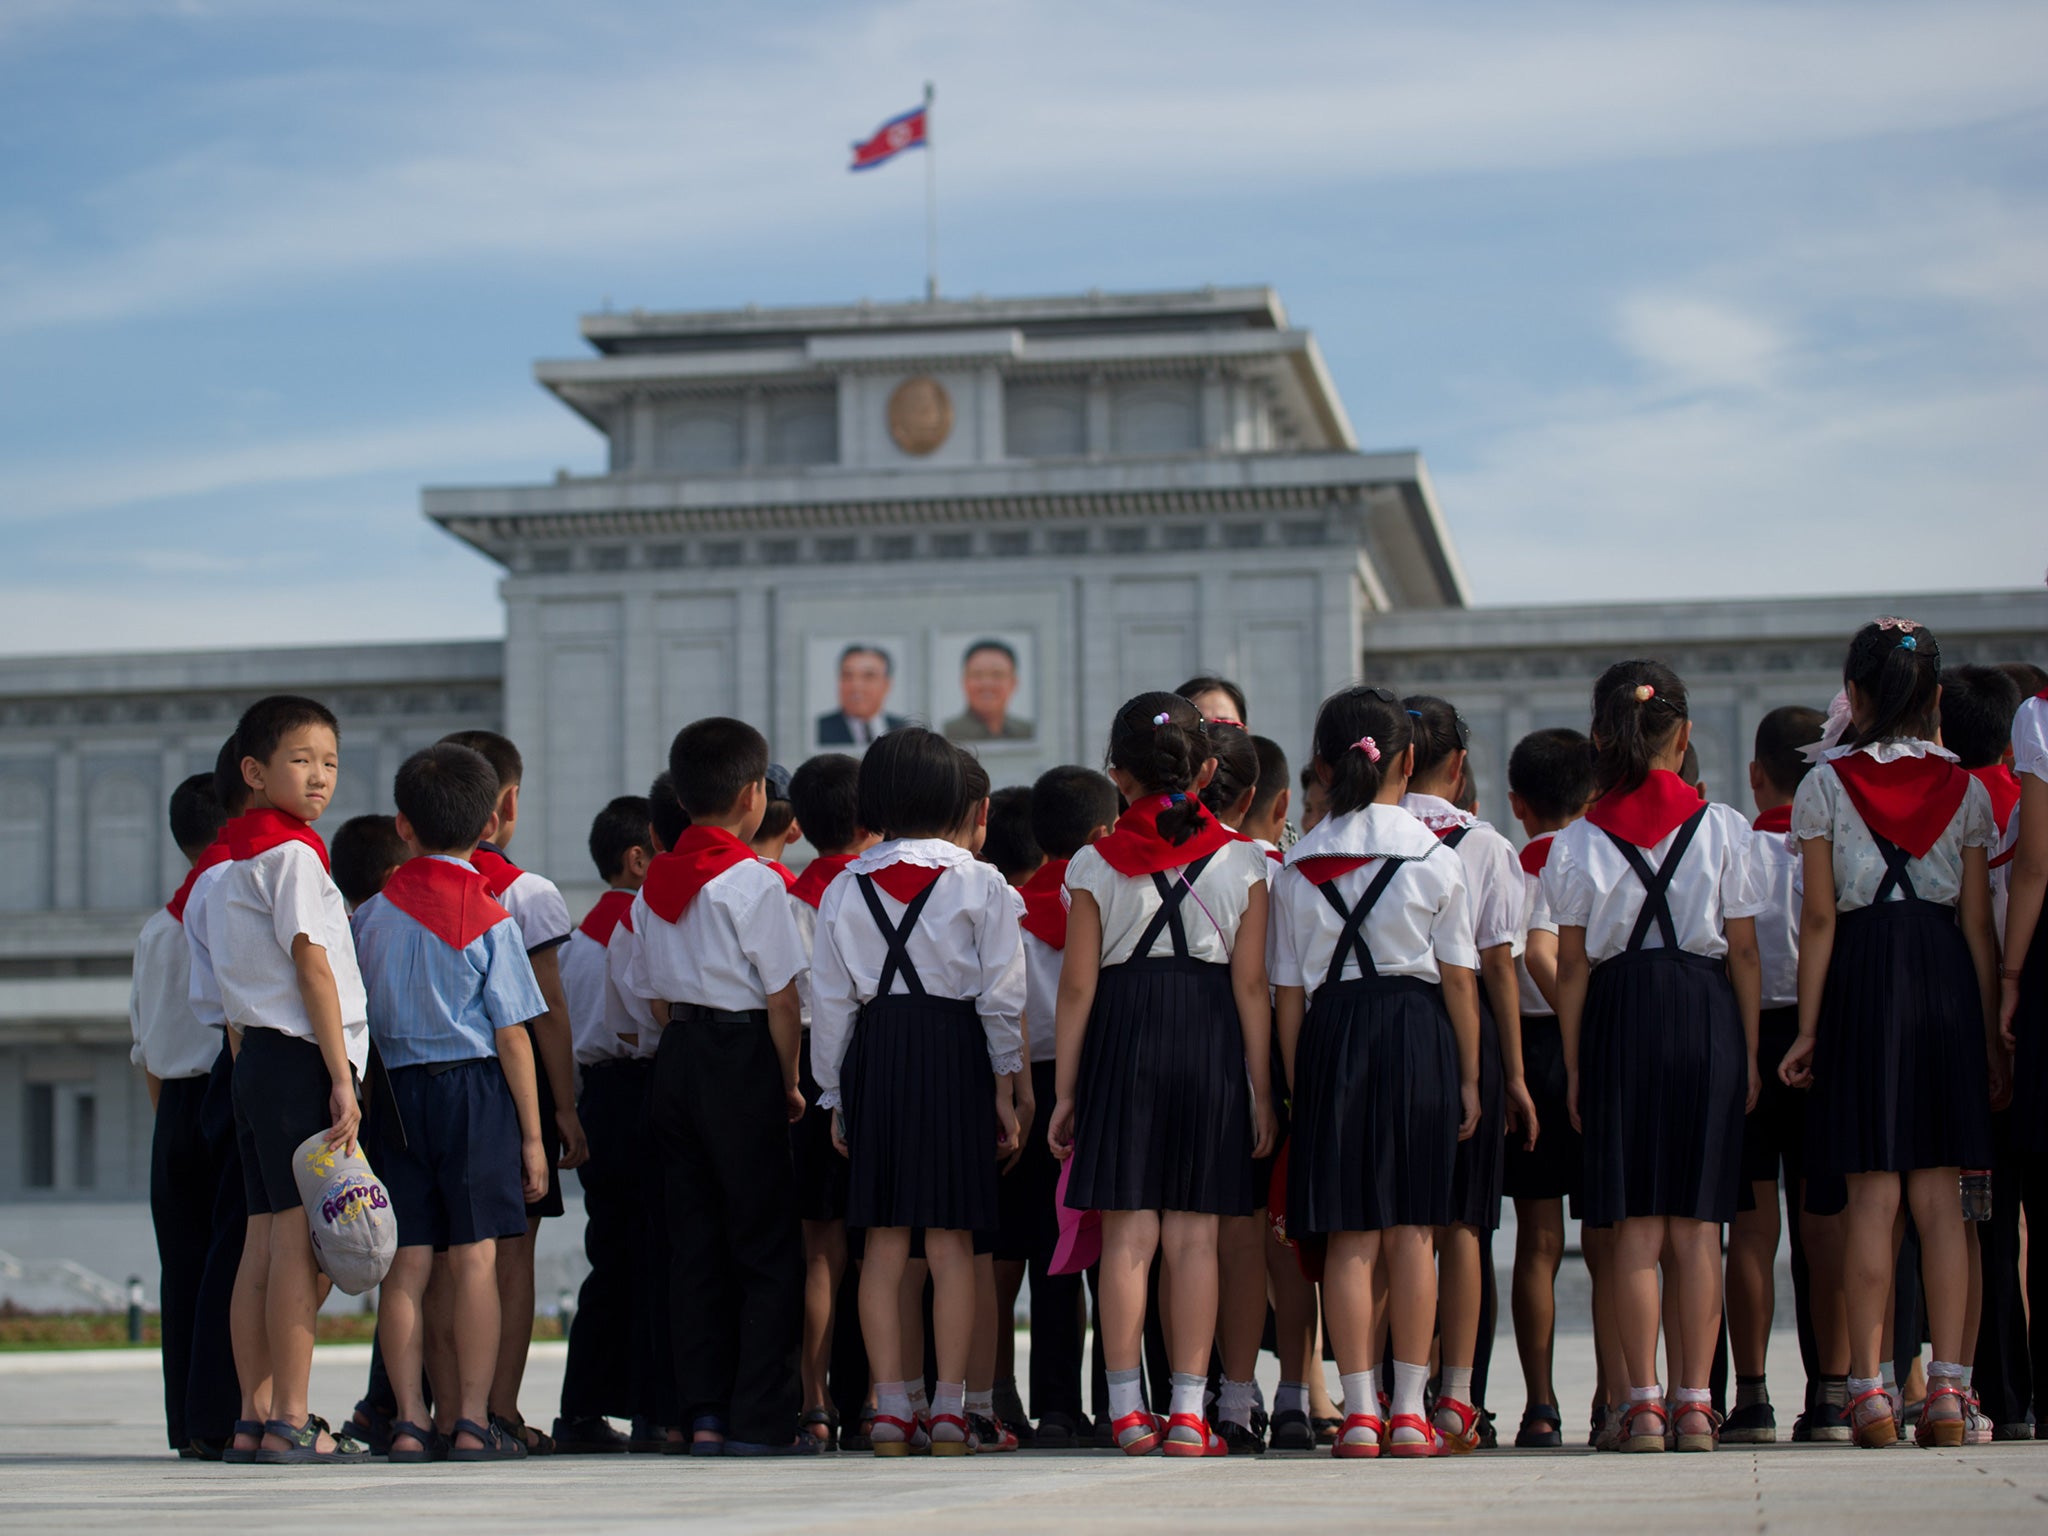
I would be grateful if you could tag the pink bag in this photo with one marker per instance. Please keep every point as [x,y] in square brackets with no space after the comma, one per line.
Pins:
[1080,1239]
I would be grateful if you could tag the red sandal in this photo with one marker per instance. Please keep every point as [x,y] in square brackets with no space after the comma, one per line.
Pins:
[1431,1443]
[1209,1442]
[911,1430]
[1142,1443]
[1629,1440]
[1879,1430]
[966,1445]
[1463,1440]
[1942,1434]
[1347,1449]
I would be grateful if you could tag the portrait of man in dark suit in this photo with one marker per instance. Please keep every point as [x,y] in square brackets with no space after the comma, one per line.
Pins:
[866,674]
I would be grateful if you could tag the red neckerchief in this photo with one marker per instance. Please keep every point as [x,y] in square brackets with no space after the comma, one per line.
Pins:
[1045,915]
[819,873]
[2004,786]
[1276,855]
[452,903]
[498,871]
[265,828]
[1136,846]
[1650,812]
[699,857]
[782,869]
[905,881]
[1536,853]
[1777,819]
[1324,868]
[612,909]
[216,853]
[1908,801]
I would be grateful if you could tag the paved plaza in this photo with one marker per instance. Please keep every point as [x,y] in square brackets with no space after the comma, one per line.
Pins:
[81,1451]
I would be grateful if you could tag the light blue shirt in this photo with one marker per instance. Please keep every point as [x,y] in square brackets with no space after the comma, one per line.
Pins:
[430,1001]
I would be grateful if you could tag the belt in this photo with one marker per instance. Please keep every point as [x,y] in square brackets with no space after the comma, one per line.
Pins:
[439,1068]
[694,1013]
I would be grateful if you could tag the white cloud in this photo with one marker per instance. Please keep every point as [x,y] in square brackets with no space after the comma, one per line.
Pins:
[1700,343]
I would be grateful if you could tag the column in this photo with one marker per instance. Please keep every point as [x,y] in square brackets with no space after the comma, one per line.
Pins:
[171,865]
[639,681]
[67,884]
[1098,414]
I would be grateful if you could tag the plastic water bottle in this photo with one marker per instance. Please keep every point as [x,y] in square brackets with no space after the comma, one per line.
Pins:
[1976,1194]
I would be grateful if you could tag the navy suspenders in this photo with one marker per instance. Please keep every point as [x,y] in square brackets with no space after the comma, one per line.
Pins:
[1898,865]
[1351,943]
[1167,918]
[1657,883]
[896,937]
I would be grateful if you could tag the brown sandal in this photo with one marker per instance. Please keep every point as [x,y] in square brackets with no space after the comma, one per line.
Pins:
[1943,1434]
[1878,1430]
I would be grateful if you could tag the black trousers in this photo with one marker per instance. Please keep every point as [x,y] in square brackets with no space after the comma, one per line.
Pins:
[654,1355]
[2004,1376]
[735,1243]
[213,1396]
[182,1179]
[598,1378]
[2034,1193]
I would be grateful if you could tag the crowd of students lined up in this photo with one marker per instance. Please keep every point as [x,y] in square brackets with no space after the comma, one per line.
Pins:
[1226,1084]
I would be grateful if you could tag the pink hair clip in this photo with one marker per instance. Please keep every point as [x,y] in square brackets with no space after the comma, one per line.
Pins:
[1907,625]
[1369,747]
[1162,718]
[1645,693]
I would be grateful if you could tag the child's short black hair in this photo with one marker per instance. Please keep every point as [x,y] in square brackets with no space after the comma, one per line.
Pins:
[364,852]
[228,786]
[1779,736]
[666,817]
[1067,803]
[267,722]
[714,760]
[1272,774]
[912,783]
[1224,685]
[196,815]
[449,793]
[616,831]
[775,820]
[1009,844]
[497,750]
[1552,771]
[974,788]
[1977,706]
[2031,679]
[1237,767]
[825,794]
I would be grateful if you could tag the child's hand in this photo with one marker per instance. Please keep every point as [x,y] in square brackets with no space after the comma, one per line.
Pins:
[1268,1129]
[533,1170]
[1027,1114]
[346,1116]
[793,1102]
[1571,1098]
[2000,1077]
[839,1133]
[1796,1070]
[1468,1098]
[1059,1132]
[2008,1005]
[1756,1086]
[575,1145]
[1522,1114]
[1007,1138]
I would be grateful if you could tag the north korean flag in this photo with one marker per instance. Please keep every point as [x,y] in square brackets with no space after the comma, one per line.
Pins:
[893,137]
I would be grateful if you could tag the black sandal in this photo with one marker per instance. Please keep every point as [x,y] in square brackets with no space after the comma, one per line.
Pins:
[302,1445]
[542,1443]
[499,1442]
[427,1438]
[813,1417]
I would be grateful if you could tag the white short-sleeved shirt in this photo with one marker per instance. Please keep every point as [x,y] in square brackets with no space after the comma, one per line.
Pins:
[1493,876]
[205,991]
[170,1042]
[1774,864]
[2030,738]
[536,905]
[247,922]
[1536,918]
[1421,922]
[1589,885]
[1822,808]
[597,1016]
[1042,995]
[1209,913]
[966,945]
[640,1017]
[734,947]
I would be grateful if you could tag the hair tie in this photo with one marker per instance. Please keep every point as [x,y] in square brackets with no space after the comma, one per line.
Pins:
[1175,797]
[1645,693]
[1369,747]
[1909,643]
[1162,718]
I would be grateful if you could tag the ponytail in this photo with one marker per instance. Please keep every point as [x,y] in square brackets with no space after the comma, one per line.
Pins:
[1160,740]
[1237,767]
[1637,706]
[1896,667]
[1439,730]
[1360,736]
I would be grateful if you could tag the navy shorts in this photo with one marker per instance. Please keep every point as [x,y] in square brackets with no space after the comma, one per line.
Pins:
[456,1179]
[281,1092]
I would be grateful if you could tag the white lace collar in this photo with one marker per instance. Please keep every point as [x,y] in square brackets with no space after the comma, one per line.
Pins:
[1892,751]
[1374,832]
[1437,813]
[930,852]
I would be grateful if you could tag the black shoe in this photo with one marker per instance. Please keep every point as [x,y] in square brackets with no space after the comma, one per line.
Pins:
[1488,1432]
[1010,1409]
[1823,1424]
[2019,1429]
[1755,1425]
[802,1445]
[1542,1428]
[1598,1422]
[1242,1441]
[1056,1432]
[1292,1431]
[590,1436]
[646,1438]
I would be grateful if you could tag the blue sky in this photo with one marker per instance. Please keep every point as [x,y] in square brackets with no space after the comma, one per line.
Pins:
[1677,300]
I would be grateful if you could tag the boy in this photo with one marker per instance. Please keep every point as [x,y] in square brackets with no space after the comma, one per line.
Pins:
[598,1379]
[283,966]
[450,991]
[1315,798]
[543,917]
[364,853]
[1774,1133]
[1009,844]
[779,825]
[1266,822]
[1071,807]
[718,948]
[1550,780]
[176,1053]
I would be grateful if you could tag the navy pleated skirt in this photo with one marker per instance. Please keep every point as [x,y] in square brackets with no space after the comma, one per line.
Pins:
[1376,1109]
[2030,1058]
[1899,1076]
[1479,1172]
[1663,1077]
[1163,1102]
[920,1116]
[821,1172]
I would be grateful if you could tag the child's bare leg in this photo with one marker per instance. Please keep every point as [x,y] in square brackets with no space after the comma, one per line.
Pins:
[444,1371]
[1241,1308]
[882,1288]
[981,1349]
[291,1307]
[1539,1251]
[1752,1299]
[515,1312]
[1407,1269]
[1824,1238]
[1695,1318]
[472,1281]
[957,1315]
[1945,1251]
[401,1330]
[1638,1245]
[1869,1256]
[824,1267]
[1009,1285]
[248,1333]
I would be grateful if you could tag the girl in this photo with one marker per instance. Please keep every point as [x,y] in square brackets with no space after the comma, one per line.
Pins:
[917,999]
[1494,886]
[1164,1039]
[1372,935]
[1657,985]
[1897,1033]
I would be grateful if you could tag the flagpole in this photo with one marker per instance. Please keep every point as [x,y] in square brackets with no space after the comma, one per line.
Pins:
[931,205]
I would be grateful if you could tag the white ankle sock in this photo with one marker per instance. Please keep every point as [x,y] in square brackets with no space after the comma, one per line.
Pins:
[1648,1394]
[1292,1396]
[983,1403]
[1126,1392]
[1187,1393]
[1858,1385]
[951,1399]
[1361,1392]
[1457,1383]
[915,1391]
[1237,1401]
[1968,1372]
[1411,1382]
[891,1399]
[1886,1375]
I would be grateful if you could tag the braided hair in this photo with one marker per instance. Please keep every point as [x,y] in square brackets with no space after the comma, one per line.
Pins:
[1161,740]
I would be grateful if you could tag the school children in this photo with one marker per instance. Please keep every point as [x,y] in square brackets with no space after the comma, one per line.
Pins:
[1657,1003]
[176,1053]
[1774,1133]
[2023,1008]
[283,966]
[1898,1033]
[543,917]
[598,1380]
[1494,892]
[364,851]
[917,999]
[450,991]
[1379,1027]
[718,947]
[1164,1052]
[779,826]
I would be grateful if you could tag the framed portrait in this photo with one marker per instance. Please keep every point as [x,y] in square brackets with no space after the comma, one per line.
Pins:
[856,688]
[984,686]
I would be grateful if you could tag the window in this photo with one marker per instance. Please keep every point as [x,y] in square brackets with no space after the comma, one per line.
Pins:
[39,1152]
[1045,421]
[60,1136]
[803,427]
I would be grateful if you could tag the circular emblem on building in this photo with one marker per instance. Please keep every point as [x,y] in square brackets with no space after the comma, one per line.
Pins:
[920,415]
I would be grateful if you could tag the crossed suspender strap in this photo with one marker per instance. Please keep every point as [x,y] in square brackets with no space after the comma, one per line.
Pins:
[1657,883]
[1898,870]
[1351,943]
[1167,918]
[895,937]
[1455,836]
